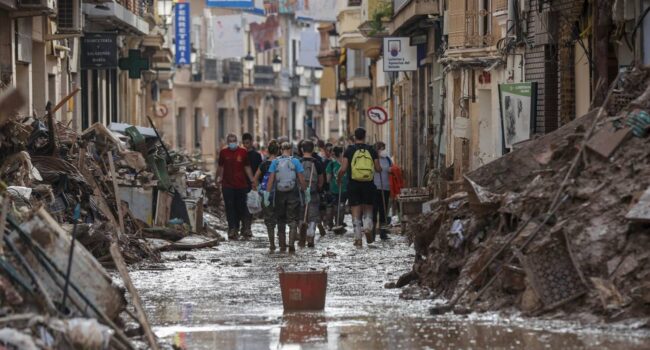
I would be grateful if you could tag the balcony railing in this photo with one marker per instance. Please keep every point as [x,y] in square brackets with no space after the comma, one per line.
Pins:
[500,5]
[471,29]
[139,7]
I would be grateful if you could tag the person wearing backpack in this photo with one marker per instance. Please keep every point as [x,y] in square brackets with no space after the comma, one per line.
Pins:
[382,196]
[334,204]
[286,179]
[360,161]
[315,178]
[260,183]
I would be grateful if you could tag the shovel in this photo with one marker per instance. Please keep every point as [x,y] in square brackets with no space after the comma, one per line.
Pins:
[338,229]
[303,225]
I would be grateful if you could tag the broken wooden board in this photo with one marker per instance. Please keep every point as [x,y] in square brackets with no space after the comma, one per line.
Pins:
[640,212]
[607,140]
[86,272]
[192,242]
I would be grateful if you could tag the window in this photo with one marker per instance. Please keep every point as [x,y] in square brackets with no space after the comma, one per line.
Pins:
[180,128]
[198,128]
[221,132]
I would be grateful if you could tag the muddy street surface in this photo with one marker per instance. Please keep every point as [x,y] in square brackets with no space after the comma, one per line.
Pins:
[228,297]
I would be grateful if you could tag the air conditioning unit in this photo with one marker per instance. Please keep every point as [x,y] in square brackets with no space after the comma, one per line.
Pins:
[38,5]
[69,18]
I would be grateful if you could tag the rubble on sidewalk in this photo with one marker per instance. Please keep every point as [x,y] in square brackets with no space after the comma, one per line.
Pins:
[111,189]
[590,256]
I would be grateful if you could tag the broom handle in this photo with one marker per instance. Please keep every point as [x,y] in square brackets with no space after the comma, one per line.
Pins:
[311,177]
[338,207]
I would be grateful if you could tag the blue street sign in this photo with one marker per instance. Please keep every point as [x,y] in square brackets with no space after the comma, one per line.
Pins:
[183,28]
[240,4]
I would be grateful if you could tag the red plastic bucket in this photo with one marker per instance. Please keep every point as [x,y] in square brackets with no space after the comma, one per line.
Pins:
[303,290]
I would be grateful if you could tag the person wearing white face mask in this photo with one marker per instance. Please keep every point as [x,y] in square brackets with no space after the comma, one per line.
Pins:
[235,174]
[380,207]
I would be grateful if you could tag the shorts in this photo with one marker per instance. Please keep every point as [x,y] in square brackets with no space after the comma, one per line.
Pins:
[361,193]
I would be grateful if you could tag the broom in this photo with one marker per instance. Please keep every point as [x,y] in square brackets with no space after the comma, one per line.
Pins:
[303,225]
[338,229]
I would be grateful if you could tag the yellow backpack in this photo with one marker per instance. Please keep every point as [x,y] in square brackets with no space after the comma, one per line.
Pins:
[363,167]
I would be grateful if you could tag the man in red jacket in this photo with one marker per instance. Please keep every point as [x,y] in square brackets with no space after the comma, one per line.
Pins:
[234,172]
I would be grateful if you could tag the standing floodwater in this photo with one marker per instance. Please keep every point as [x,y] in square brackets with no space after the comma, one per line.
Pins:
[228,297]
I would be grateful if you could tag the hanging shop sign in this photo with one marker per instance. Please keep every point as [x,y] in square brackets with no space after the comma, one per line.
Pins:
[182,29]
[399,55]
[237,4]
[99,51]
[518,103]
[377,115]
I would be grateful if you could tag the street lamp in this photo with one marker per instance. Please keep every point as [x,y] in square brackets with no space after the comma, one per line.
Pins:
[334,39]
[277,64]
[249,62]
[307,74]
[318,73]
[300,70]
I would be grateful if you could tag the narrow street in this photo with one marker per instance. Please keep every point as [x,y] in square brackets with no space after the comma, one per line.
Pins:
[228,297]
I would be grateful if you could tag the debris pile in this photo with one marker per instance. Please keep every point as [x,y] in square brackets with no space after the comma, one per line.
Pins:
[116,191]
[561,223]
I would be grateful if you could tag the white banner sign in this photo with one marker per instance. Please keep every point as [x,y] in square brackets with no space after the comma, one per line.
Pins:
[399,55]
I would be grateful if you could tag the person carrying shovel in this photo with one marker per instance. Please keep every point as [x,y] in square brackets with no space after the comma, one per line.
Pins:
[314,176]
[338,190]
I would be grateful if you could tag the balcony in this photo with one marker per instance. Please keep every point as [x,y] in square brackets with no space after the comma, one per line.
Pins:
[474,27]
[348,21]
[407,12]
[126,16]
[375,17]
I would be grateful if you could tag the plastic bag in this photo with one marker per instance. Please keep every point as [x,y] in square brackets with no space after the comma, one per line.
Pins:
[254,202]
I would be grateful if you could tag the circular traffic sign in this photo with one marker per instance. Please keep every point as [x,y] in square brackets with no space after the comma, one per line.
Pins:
[377,115]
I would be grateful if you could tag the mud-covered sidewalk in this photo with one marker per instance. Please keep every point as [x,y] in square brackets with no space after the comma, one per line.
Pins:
[228,297]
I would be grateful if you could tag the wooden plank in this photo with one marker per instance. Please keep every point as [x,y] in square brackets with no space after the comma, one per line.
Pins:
[120,215]
[607,140]
[640,212]
[137,302]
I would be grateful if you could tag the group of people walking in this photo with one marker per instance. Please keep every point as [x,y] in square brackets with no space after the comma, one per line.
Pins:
[305,190]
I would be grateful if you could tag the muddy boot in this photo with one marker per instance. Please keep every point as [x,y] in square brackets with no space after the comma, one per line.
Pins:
[383,234]
[232,234]
[246,231]
[358,243]
[293,233]
[270,230]
[310,242]
[282,237]
[321,229]
[370,237]
[303,236]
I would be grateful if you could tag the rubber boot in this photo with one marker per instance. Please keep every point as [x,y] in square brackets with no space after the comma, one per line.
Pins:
[302,236]
[293,233]
[232,234]
[282,237]
[246,231]
[383,234]
[270,230]
[321,229]
[311,234]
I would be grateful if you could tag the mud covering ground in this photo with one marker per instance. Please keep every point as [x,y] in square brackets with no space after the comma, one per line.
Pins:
[228,297]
